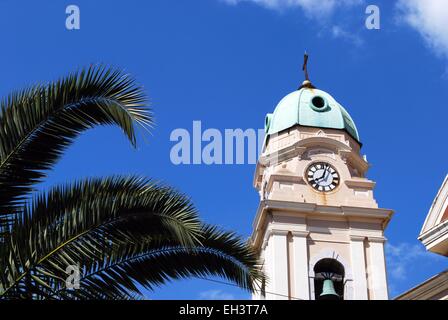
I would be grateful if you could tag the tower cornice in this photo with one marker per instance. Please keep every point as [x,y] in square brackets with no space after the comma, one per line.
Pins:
[348,213]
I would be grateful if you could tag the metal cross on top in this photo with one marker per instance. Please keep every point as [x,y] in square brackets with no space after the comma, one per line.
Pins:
[305,66]
[307,83]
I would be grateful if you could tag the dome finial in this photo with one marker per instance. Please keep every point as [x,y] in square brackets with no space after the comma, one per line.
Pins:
[307,83]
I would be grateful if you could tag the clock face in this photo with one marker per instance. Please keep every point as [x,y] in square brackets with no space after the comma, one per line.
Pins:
[322,177]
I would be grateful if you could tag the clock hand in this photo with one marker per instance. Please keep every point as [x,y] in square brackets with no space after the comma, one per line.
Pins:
[327,174]
[323,174]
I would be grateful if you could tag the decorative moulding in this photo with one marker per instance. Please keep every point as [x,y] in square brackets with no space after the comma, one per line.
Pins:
[367,184]
[351,213]
[438,208]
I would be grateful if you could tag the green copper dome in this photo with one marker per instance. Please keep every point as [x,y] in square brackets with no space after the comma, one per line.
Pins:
[310,107]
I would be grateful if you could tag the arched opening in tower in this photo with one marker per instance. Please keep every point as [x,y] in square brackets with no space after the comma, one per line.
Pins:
[329,280]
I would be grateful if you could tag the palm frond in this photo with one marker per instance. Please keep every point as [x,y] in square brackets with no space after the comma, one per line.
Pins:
[80,223]
[157,262]
[38,124]
[122,232]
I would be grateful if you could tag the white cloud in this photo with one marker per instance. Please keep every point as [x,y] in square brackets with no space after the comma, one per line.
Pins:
[340,33]
[401,258]
[430,19]
[312,8]
[321,12]
[216,295]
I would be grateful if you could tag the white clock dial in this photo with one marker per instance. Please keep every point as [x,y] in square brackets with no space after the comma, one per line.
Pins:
[322,176]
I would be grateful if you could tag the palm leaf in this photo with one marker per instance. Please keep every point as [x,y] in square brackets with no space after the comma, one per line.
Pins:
[157,262]
[38,124]
[81,222]
[122,232]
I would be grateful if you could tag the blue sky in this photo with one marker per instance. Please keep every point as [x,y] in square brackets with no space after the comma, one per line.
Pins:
[227,64]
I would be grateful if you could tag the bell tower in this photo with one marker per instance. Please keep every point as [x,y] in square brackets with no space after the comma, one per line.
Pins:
[318,227]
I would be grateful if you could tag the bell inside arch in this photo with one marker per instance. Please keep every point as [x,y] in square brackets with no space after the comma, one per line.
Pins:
[329,279]
[328,291]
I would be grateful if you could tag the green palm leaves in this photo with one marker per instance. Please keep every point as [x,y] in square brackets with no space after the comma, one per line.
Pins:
[121,232]
[36,125]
